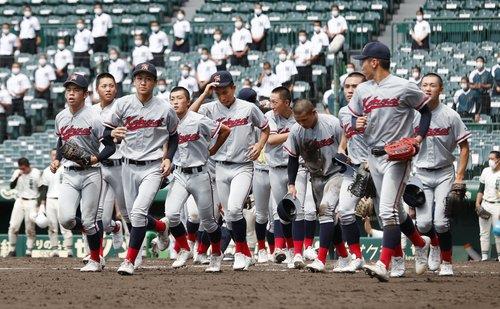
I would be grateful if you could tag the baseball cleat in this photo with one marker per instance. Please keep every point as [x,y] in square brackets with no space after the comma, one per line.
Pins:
[117,237]
[279,255]
[201,259]
[310,254]
[316,266]
[126,268]
[163,238]
[262,256]
[192,251]
[377,270]
[54,253]
[11,254]
[86,259]
[434,258]
[289,257]
[354,265]
[182,257]
[421,254]
[397,267]
[138,259]
[241,261]
[215,264]
[91,266]
[298,261]
[228,257]
[342,263]
[445,269]
[102,261]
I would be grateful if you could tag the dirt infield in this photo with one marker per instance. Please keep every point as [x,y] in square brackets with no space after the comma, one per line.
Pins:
[57,283]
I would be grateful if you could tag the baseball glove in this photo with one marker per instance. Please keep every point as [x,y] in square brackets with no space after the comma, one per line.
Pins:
[483,213]
[455,199]
[402,150]
[364,208]
[363,183]
[71,151]
[312,156]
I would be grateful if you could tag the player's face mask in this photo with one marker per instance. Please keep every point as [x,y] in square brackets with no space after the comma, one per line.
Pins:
[42,62]
[155,28]
[335,13]
[16,71]
[6,31]
[479,65]
[492,163]
[98,11]
[217,37]
[80,26]
[27,13]
[282,57]
[302,39]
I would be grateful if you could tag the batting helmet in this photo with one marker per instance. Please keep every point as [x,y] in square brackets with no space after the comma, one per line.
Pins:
[414,194]
[287,208]
[41,220]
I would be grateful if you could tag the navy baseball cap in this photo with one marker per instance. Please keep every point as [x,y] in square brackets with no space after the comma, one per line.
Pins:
[77,79]
[375,50]
[248,94]
[224,78]
[144,67]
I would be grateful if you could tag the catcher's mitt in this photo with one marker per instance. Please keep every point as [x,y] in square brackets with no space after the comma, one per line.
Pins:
[455,198]
[71,151]
[312,156]
[483,213]
[402,150]
[364,208]
[363,183]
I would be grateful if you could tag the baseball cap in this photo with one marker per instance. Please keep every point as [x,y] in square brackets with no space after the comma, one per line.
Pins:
[248,94]
[78,80]
[375,50]
[144,67]
[224,78]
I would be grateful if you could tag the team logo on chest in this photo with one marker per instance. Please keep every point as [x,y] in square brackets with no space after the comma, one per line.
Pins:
[233,122]
[68,132]
[436,131]
[324,142]
[188,138]
[132,124]
[370,103]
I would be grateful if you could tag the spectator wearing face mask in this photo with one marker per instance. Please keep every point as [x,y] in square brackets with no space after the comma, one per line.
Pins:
[182,28]
[329,98]
[319,41]
[349,68]
[463,100]
[8,44]
[101,24]
[189,82]
[163,92]
[420,32]
[44,77]
[416,75]
[481,82]
[5,104]
[158,42]
[205,69]
[82,45]
[62,59]
[267,82]
[18,85]
[29,32]
[304,56]
[495,73]
[240,43]
[220,50]
[141,52]
[119,69]
[285,69]
[259,26]
[336,29]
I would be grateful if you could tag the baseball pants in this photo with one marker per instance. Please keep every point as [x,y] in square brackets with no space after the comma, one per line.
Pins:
[305,195]
[485,226]
[21,211]
[261,189]
[112,194]
[51,208]
[347,201]
[80,188]
[326,196]
[279,188]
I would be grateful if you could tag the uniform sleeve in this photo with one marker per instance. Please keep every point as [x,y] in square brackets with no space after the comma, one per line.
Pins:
[52,75]
[293,70]
[325,99]
[91,38]
[205,111]
[172,121]
[97,127]
[273,127]
[355,105]
[456,96]
[56,127]
[110,22]
[229,50]
[428,28]
[113,119]
[150,55]
[26,83]
[471,76]
[344,24]
[257,118]
[291,145]
[267,23]
[36,24]
[248,37]
[188,27]
[338,131]
[483,176]
[210,127]
[460,131]
[414,97]
[44,180]
[165,39]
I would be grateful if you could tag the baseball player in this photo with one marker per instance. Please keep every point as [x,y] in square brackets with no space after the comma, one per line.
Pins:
[316,137]
[434,167]
[384,106]
[354,145]
[192,177]
[25,180]
[234,166]
[81,185]
[50,186]
[147,127]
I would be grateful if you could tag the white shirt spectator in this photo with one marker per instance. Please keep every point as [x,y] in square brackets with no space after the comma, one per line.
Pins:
[44,76]
[28,27]
[82,40]
[7,44]
[259,24]
[422,29]
[5,99]
[165,95]
[268,83]
[220,50]
[304,51]
[101,24]
[62,58]
[141,54]
[205,69]
[157,41]
[326,95]
[17,84]
[490,179]
[337,24]
[319,41]
[285,70]
[240,38]
[118,68]
[189,83]
[181,27]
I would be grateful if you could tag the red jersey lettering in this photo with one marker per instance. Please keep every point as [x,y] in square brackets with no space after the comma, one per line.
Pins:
[435,131]
[188,138]
[68,132]
[133,124]
[234,122]
[370,103]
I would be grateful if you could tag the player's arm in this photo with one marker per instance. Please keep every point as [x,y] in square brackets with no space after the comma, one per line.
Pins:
[55,164]
[257,147]
[224,132]
[15,178]
[480,193]
[195,106]
[277,139]
[42,197]
[168,153]
[425,122]
[464,159]
[343,144]
[108,150]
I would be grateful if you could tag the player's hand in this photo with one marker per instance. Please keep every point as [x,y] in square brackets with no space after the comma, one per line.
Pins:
[254,152]
[54,166]
[292,190]
[93,160]
[361,123]
[209,88]
[119,133]
[165,167]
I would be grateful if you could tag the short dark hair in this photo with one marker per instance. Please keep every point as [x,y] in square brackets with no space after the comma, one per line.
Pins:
[179,88]
[283,93]
[205,49]
[385,63]
[6,24]
[496,153]
[334,6]
[23,162]
[434,75]
[317,22]
[480,58]
[464,77]
[356,74]
[98,4]
[104,75]
[302,31]
[154,22]
[417,68]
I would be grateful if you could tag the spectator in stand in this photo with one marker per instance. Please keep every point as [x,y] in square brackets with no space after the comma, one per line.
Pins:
[101,24]
[267,82]
[464,101]
[18,85]
[304,56]
[481,82]
[349,68]
[62,59]
[8,44]
[495,73]
[220,50]
[416,75]
[319,41]
[158,42]
[420,32]
[5,105]
[205,69]
[29,32]
[240,43]
[259,26]
[182,28]
[488,198]
[141,52]
[82,45]
[247,83]
[336,29]
[286,69]
[44,76]
[163,92]
[119,69]
[329,99]
[188,81]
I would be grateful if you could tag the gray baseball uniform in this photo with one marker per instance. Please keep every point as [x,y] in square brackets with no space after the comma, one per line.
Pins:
[261,189]
[389,107]
[149,126]
[434,166]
